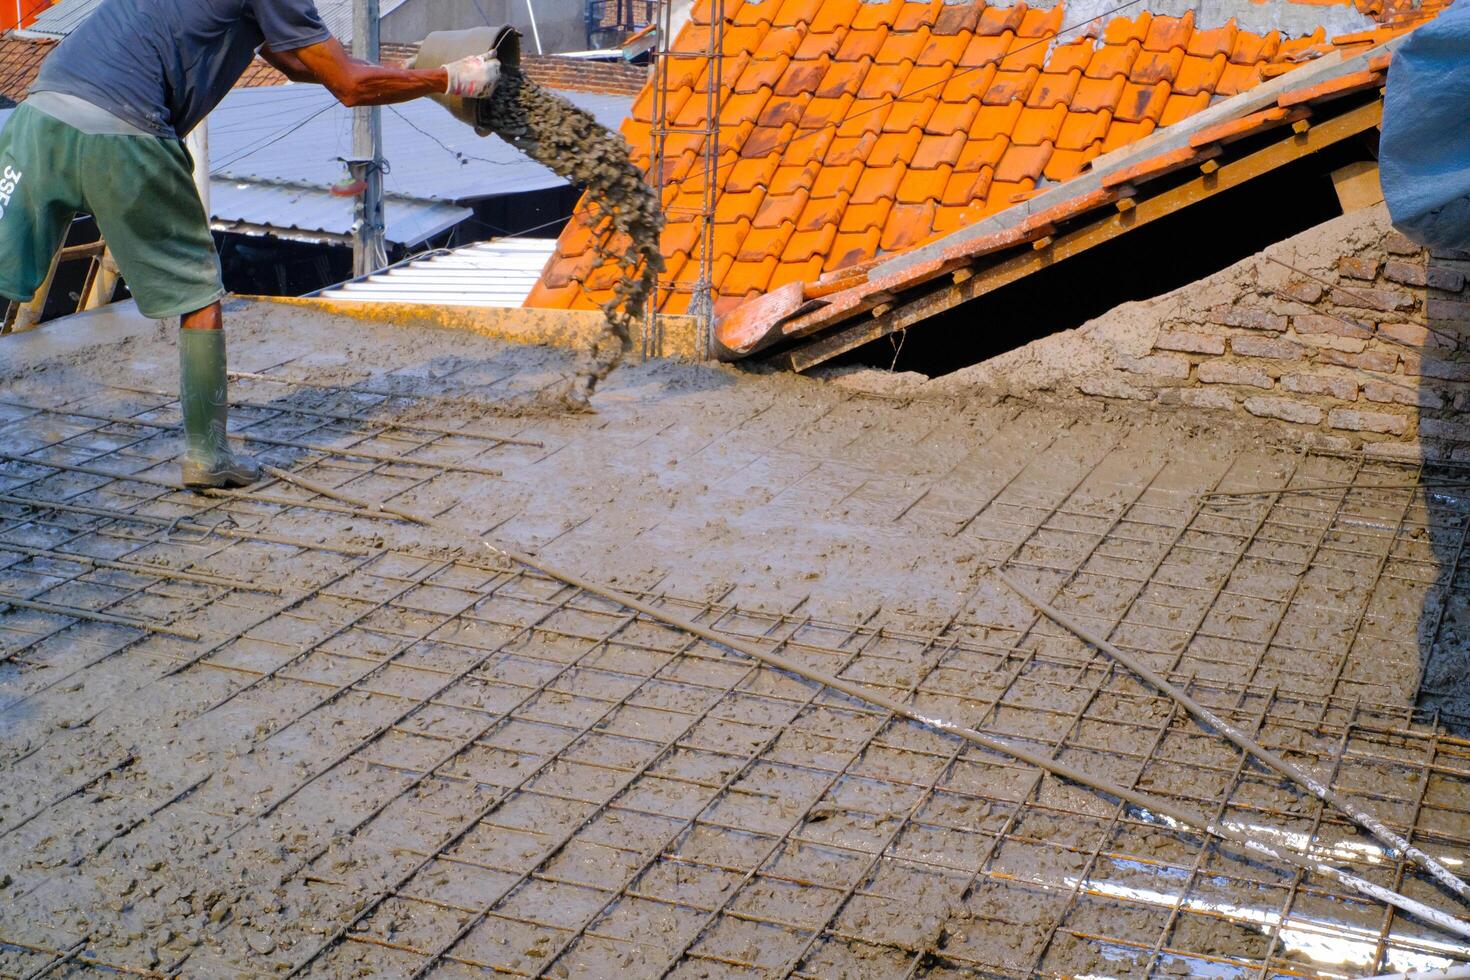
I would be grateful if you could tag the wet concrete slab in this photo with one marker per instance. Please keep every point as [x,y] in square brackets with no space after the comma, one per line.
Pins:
[242,735]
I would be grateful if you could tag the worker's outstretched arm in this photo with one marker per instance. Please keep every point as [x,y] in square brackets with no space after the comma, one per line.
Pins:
[358,83]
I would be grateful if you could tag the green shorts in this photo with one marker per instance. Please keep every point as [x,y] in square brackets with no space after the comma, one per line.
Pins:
[139,188]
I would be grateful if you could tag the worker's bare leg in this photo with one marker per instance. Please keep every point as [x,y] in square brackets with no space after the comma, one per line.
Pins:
[204,399]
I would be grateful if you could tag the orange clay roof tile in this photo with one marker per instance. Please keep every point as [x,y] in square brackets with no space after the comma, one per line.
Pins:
[1041,23]
[1251,49]
[1023,53]
[957,19]
[1011,86]
[849,248]
[984,49]
[801,78]
[1139,102]
[1053,89]
[910,225]
[861,217]
[1237,78]
[1037,126]
[1334,88]
[1122,30]
[968,83]
[848,150]
[821,213]
[901,47]
[918,186]
[892,148]
[780,41]
[936,150]
[1066,164]
[1182,106]
[1094,94]
[910,114]
[1207,44]
[882,82]
[943,49]
[817,45]
[1000,20]
[1023,163]
[1167,33]
[1122,132]
[960,189]
[862,44]
[1198,73]
[761,73]
[779,209]
[952,117]
[877,184]
[852,129]
[1113,60]
[1157,66]
[1081,130]
[980,153]
[748,174]
[869,15]
[916,14]
[1073,56]
[845,77]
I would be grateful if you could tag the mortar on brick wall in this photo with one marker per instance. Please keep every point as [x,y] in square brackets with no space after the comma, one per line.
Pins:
[1348,333]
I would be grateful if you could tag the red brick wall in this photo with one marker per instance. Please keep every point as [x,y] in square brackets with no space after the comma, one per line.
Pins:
[1361,343]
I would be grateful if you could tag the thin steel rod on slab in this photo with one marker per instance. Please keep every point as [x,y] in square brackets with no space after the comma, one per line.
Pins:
[158,481]
[182,524]
[1153,804]
[402,425]
[75,613]
[137,567]
[1447,973]
[1244,742]
[1267,491]
[348,389]
[269,440]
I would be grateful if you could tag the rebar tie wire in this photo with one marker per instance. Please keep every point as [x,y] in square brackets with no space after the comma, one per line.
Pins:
[1152,805]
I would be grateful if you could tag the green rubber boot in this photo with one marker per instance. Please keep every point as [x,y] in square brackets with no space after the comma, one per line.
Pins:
[203,395]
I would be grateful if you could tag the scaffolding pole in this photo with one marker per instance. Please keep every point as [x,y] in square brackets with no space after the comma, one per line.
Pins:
[706,170]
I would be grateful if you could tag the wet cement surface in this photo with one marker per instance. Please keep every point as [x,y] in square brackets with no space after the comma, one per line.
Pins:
[386,753]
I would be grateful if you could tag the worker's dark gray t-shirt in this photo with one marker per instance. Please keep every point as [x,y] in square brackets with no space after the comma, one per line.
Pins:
[163,65]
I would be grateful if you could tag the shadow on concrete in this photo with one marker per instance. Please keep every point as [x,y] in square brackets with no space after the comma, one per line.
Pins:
[1444,397]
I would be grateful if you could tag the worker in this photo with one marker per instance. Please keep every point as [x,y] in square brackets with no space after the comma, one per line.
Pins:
[101,132]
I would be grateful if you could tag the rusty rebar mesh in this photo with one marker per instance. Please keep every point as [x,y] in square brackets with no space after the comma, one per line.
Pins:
[533,781]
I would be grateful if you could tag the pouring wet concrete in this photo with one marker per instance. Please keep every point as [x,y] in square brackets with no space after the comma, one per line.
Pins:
[387,753]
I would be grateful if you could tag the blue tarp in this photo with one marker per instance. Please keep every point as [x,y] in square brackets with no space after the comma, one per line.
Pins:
[1424,155]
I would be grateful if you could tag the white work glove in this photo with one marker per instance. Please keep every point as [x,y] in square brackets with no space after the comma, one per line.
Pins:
[473,77]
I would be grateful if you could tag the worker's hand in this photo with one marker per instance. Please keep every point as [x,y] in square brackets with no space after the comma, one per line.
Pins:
[473,77]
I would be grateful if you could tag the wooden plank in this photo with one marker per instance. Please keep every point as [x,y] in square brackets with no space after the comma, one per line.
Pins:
[28,317]
[1148,210]
[1357,186]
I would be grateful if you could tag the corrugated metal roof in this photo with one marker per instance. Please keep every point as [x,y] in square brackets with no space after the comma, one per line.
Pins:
[314,215]
[275,151]
[300,134]
[497,274]
[64,17]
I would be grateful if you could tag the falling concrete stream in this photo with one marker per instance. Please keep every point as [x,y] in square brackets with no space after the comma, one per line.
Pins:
[572,144]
